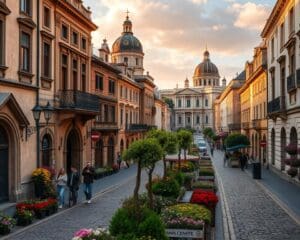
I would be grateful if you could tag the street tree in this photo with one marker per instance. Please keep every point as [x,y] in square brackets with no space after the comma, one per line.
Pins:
[185,139]
[235,139]
[145,153]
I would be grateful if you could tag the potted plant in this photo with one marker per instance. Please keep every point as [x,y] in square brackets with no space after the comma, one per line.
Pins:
[42,179]
[40,209]
[24,217]
[291,149]
[292,172]
[52,206]
[6,224]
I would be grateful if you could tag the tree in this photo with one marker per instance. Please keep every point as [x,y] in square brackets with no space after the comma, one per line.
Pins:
[208,132]
[167,141]
[235,139]
[185,139]
[145,153]
[169,101]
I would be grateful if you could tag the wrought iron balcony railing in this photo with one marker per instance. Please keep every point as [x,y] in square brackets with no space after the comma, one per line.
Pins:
[234,126]
[138,127]
[277,105]
[245,125]
[291,84]
[77,100]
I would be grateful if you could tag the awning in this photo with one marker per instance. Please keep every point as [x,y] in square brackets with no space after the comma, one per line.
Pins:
[237,147]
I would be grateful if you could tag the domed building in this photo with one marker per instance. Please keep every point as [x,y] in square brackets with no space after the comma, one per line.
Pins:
[194,105]
[206,73]
[128,49]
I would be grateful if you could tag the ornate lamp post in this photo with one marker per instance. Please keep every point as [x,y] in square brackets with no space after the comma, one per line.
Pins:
[48,111]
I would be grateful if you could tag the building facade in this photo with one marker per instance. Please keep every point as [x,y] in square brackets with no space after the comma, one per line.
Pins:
[282,35]
[227,107]
[193,106]
[253,96]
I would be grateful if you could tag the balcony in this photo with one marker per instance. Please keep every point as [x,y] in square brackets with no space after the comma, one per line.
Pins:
[291,84]
[245,125]
[234,126]
[138,127]
[105,126]
[78,101]
[277,107]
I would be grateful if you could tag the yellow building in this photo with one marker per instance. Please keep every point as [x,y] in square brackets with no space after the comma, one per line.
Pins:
[253,95]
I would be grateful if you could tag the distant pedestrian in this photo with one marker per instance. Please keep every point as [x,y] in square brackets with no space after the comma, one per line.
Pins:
[246,156]
[119,160]
[212,151]
[88,179]
[73,186]
[242,159]
[225,159]
[61,183]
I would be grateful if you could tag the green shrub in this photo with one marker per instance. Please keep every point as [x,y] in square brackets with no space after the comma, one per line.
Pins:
[132,223]
[204,185]
[206,172]
[178,176]
[166,188]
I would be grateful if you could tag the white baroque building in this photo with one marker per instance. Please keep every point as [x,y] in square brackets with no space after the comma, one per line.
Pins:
[193,106]
[282,34]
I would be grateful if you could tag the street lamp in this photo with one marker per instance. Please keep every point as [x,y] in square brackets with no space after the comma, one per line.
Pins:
[48,111]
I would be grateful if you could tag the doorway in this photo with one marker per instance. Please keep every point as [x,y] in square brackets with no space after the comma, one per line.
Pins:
[4,147]
[73,151]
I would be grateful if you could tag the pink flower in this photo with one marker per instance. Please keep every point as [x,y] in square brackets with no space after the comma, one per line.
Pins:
[83,232]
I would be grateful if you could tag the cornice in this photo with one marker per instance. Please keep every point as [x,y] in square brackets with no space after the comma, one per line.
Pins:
[4,9]
[28,22]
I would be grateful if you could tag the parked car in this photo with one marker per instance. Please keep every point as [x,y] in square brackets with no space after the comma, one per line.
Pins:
[202,147]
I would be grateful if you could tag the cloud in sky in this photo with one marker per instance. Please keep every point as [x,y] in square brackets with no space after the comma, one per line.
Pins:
[174,33]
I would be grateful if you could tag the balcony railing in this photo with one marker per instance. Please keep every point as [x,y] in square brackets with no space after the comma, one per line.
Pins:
[256,123]
[102,125]
[291,84]
[77,100]
[298,77]
[234,126]
[138,127]
[277,105]
[245,125]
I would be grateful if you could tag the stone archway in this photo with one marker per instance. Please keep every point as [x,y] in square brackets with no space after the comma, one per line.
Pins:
[111,151]
[99,154]
[73,149]
[293,136]
[273,146]
[282,148]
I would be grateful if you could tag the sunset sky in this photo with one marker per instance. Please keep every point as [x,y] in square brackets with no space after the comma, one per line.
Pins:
[174,33]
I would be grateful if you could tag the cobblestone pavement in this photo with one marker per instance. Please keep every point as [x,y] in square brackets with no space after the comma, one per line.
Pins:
[99,213]
[255,216]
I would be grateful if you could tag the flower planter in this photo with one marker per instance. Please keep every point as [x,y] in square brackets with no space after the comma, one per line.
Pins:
[4,230]
[206,178]
[40,214]
[39,189]
[23,222]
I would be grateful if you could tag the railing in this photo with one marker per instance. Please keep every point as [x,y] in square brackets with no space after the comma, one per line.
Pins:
[138,127]
[102,125]
[276,105]
[256,123]
[234,126]
[77,100]
[291,84]
[245,125]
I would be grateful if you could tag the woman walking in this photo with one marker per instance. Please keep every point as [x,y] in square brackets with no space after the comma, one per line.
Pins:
[61,182]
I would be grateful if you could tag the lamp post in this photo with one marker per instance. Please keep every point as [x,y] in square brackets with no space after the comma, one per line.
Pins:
[48,111]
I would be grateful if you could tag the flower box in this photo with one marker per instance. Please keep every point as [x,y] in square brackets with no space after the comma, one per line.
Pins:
[23,222]
[206,178]
[185,233]
[4,230]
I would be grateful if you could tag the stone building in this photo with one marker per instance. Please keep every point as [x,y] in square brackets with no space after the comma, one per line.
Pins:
[253,95]
[193,106]
[45,66]
[227,106]
[282,35]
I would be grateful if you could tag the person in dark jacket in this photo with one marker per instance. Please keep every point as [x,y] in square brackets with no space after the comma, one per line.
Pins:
[88,179]
[73,183]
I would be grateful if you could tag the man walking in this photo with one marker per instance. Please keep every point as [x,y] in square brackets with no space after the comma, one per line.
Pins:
[73,186]
[88,179]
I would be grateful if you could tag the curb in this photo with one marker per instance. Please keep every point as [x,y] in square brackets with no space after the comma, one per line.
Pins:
[97,195]
[277,200]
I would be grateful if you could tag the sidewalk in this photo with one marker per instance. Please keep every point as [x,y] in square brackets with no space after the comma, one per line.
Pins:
[287,192]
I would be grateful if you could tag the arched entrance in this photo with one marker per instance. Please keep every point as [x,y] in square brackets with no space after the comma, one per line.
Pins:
[110,151]
[73,151]
[294,136]
[4,149]
[121,146]
[282,148]
[99,154]
[273,146]
[46,150]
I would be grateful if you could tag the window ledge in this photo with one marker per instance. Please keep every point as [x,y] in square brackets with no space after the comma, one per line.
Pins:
[25,76]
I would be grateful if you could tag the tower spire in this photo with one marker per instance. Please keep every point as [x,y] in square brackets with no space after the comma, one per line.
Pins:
[127,25]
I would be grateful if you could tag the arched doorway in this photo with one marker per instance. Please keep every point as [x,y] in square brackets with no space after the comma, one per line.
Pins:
[46,150]
[294,136]
[110,151]
[127,143]
[273,146]
[99,154]
[4,150]
[73,151]
[121,146]
[282,148]
[253,146]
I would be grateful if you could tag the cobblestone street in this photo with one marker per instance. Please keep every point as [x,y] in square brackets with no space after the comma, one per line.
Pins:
[64,225]
[254,215]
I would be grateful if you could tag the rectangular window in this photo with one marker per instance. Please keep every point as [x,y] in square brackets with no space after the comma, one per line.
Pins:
[137,61]
[292,21]
[83,43]
[47,17]
[83,77]
[64,71]
[282,35]
[179,103]
[46,60]
[25,52]
[99,82]
[25,6]
[113,114]
[111,87]
[272,50]
[65,31]
[105,113]
[75,38]
[188,103]
[197,103]
[121,116]
[2,37]
[179,120]
[74,74]
[198,120]
[121,91]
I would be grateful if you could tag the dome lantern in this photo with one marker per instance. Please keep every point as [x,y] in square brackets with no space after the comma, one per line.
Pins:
[127,25]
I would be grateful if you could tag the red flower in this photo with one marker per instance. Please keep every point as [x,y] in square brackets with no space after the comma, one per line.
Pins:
[206,198]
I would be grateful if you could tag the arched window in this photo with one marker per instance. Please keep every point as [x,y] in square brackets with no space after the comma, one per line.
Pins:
[206,119]
[46,150]
[294,136]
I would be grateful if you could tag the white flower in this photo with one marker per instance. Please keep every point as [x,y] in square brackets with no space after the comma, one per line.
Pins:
[76,238]
[96,232]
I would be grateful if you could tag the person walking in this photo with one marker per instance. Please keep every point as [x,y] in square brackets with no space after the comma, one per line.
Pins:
[61,182]
[88,179]
[73,186]
[119,160]
[212,151]
[225,159]
[242,161]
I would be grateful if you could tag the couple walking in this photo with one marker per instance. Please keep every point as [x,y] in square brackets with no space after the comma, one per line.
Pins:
[73,182]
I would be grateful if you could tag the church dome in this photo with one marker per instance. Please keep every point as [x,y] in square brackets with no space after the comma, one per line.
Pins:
[206,68]
[127,42]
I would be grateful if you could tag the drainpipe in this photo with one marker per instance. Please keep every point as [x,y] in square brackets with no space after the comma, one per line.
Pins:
[38,80]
